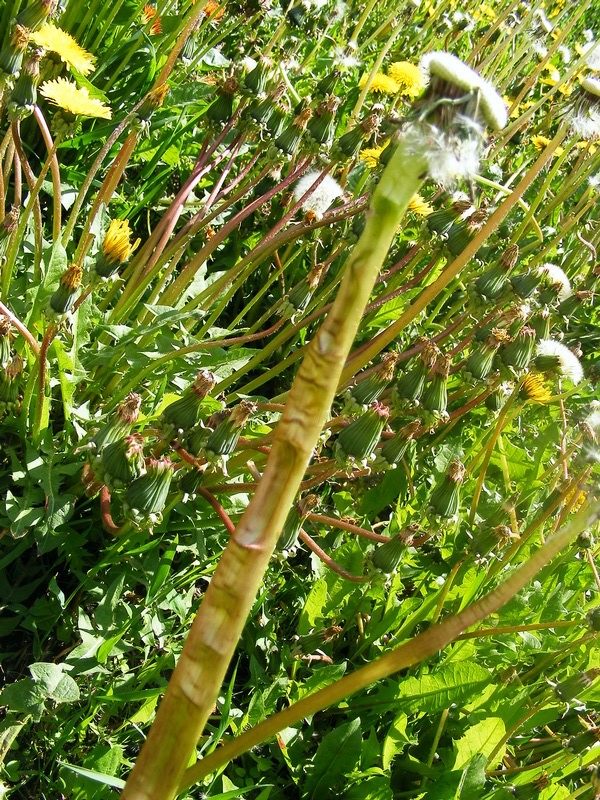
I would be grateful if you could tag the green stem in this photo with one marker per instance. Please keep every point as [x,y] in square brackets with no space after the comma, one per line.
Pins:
[199,673]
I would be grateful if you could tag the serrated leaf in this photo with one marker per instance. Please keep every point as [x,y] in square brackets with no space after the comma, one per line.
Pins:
[395,741]
[480,738]
[452,683]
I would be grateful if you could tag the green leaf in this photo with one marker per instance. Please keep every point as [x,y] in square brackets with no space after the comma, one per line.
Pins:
[54,682]
[100,777]
[452,683]
[480,738]
[473,778]
[395,741]
[338,754]
[8,733]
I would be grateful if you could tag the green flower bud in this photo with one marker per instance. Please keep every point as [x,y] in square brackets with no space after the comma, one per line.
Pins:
[445,498]
[183,414]
[387,556]
[224,439]
[481,361]
[518,353]
[297,514]
[311,642]
[532,790]
[10,384]
[349,145]
[255,82]
[64,297]
[289,139]
[540,323]
[119,423]
[221,110]
[322,124]
[409,387]
[262,110]
[371,388]
[146,497]
[24,94]
[435,396]
[326,85]
[582,741]
[36,13]
[525,283]
[393,449]
[5,342]
[573,304]
[491,540]
[358,440]
[122,462]
[568,689]
[11,55]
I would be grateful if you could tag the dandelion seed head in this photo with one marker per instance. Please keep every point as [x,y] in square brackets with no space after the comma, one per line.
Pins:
[449,157]
[565,361]
[452,70]
[323,195]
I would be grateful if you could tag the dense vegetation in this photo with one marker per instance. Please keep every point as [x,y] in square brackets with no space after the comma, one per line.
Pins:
[183,190]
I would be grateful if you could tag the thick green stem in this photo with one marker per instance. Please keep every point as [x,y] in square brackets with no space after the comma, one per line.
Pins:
[412,652]
[199,673]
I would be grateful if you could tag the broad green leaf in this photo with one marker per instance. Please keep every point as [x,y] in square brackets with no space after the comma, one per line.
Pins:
[397,738]
[338,754]
[453,683]
[480,738]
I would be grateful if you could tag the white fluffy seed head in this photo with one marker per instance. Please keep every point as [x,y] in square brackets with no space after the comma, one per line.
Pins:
[557,276]
[569,364]
[451,69]
[323,195]
[448,157]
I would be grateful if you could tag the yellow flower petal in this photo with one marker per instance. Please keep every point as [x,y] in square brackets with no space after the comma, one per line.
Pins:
[58,41]
[70,97]
[370,155]
[408,77]
[383,84]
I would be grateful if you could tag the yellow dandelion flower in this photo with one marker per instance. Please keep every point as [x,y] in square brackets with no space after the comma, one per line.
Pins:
[539,142]
[370,155]
[408,77]
[583,145]
[420,206]
[52,38]
[509,104]
[553,73]
[116,248]
[70,97]
[535,389]
[382,84]
[484,12]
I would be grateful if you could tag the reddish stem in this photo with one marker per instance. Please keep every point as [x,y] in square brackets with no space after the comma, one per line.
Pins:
[333,565]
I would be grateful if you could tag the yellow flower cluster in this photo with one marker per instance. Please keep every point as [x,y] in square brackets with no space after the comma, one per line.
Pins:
[75,100]
[403,79]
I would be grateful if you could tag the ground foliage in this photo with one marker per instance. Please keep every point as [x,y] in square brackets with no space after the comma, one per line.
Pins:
[97,602]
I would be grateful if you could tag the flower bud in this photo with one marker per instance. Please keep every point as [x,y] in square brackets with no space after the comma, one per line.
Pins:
[24,94]
[322,124]
[297,514]
[532,790]
[409,386]
[5,342]
[445,498]
[435,396]
[119,423]
[371,388]
[10,384]
[224,439]
[393,449]
[525,283]
[121,462]
[480,362]
[11,55]
[221,110]
[582,741]
[183,414]
[255,82]
[64,297]
[568,689]
[146,497]
[387,556]
[36,13]
[310,642]
[518,353]
[358,440]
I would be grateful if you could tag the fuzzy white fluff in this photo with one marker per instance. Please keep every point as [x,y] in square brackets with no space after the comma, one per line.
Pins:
[453,70]
[322,196]
[568,363]
[448,157]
